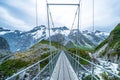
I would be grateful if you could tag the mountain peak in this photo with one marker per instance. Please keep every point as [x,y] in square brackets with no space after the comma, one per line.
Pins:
[110,48]
[2,29]
[60,28]
[116,29]
[38,27]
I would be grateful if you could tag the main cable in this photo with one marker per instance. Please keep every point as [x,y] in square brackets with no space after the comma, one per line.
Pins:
[93,18]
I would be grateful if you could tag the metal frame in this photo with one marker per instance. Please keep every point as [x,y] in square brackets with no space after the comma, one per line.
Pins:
[35,64]
[96,65]
[61,4]
[81,66]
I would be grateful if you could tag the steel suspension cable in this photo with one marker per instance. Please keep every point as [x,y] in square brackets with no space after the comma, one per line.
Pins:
[93,18]
[36,13]
[51,17]
[83,67]
[52,22]
[92,66]
[96,65]
[74,18]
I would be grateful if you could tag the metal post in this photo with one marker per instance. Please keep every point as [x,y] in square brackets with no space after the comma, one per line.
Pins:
[93,31]
[93,18]
[39,70]
[36,14]
[55,4]
[50,66]
[92,69]
[77,66]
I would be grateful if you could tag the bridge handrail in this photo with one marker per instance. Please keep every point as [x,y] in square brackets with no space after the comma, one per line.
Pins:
[28,67]
[96,65]
[84,67]
[45,67]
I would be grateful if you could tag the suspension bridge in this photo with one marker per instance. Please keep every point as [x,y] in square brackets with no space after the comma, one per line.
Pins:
[63,65]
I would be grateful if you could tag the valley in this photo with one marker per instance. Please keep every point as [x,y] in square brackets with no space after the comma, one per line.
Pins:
[38,48]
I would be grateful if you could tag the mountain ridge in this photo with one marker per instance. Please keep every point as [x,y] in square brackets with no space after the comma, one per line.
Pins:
[20,41]
[109,49]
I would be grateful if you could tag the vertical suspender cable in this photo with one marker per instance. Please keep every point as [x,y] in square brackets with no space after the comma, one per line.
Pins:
[74,19]
[93,18]
[81,15]
[78,32]
[51,18]
[92,66]
[52,22]
[36,13]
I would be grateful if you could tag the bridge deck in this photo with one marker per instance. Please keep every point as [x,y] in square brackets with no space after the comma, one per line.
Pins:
[63,69]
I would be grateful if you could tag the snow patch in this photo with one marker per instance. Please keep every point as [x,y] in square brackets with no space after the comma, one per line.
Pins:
[37,34]
[97,53]
[2,33]
[109,66]
[5,32]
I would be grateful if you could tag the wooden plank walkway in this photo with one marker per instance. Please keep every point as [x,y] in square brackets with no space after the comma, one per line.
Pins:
[63,69]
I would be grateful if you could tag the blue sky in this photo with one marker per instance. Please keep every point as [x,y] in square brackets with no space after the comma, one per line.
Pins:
[20,14]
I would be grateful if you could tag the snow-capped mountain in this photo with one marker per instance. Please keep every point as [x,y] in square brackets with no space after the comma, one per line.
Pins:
[109,49]
[85,38]
[4,49]
[95,37]
[19,40]
[60,34]
[58,30]
[81,40]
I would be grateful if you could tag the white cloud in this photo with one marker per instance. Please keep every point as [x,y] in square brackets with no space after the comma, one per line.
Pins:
[13,21]
[105,13]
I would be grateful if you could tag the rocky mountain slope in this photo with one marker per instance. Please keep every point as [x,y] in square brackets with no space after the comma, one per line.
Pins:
[22,59]
[4,47]
[19,40]
[4,50]
[82,40]
[86,39]
[96,37]
[109,49]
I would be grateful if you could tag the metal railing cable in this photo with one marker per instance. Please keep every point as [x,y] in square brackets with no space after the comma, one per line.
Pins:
[69,56]
[54,58]
[35,64]
[95,65]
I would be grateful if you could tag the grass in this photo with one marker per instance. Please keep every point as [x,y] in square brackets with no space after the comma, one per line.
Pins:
[89,77]
[73,45]
[113,42]
[106,77]
[101,45]
[115,36]
[81,53]
[47,42]
[11,66]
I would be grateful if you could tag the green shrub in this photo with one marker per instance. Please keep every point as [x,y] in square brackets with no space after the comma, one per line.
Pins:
[106,77]
[10,66]
[81,53]
[89,77]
